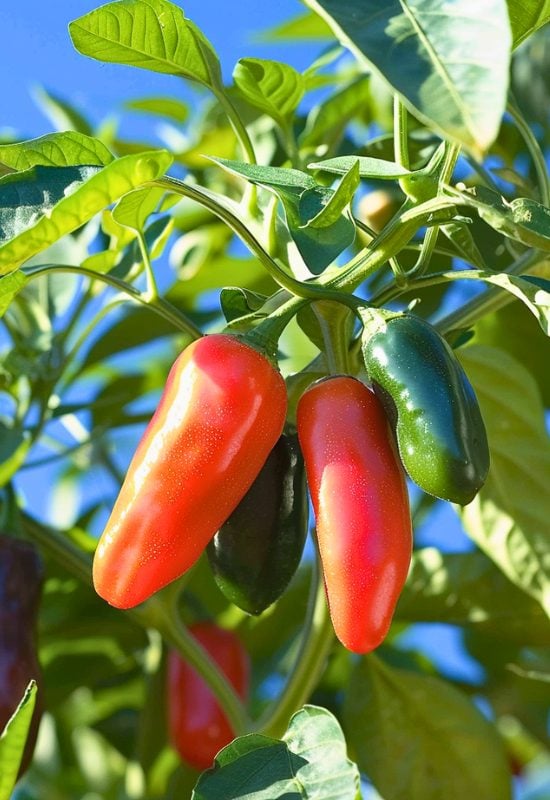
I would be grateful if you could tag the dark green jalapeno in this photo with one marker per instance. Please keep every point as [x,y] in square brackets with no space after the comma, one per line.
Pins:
[257,550]
[432,407]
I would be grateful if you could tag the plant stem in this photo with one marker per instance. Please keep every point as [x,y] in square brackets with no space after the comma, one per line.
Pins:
[237,124]
[152,293]
[159,305]
[309,665]
[400,133]
[154,613]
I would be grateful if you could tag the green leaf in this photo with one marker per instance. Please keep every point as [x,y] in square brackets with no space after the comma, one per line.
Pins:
[149,34]
[523,219]
[63,115]
[303,201]
[26,196]
[14,446]
[527,16]
[309,764]
[272,86]
[509,517]
[12,741]
[100,190]
[322,211]
[10,285]
[419,738]
[67,149]
[237,302]
[134,208]
[532,291]
[368,167]
[468,589]
[167,107]
[306,26]
[327,121]
[515,330]
[447,61]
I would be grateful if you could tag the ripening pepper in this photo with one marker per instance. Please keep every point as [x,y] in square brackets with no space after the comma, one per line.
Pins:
[257,550]
[432,406]
[221,413]
[361,506]
[21,577]
[197,725]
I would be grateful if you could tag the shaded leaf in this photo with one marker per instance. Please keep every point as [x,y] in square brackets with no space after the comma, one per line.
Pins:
[14,446]
[509,517]
[445,748]
[327,121]
[468,589]
[100,190]
[523,219]
[447,59]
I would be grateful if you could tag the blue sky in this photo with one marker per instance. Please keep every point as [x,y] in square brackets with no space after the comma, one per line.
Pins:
[36,49]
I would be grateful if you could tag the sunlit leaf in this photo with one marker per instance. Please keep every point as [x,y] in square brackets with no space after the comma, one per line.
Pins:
[168,107]
[56,150]
[447,59]
[150,34]
[13,739]
[272,86]
[527,16]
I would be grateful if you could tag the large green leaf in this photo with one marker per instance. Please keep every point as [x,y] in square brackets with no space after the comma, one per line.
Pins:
[56,150]
[100,190]
[309,764]
[509,517]
[527,16]
[468,589]
[150,34]
[447,59]
[515,330]
[12,741]
[272,86]
[418,738]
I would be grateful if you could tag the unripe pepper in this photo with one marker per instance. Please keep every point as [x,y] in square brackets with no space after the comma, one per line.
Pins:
[21,577]
[440,432]
[222,410]
[257,550]
[361,507]
[197,725]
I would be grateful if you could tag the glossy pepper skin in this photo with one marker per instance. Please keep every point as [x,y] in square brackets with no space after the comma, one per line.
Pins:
[438,425]
[198,727]
[257,550]
[220,415]
[361,507]
[21,577]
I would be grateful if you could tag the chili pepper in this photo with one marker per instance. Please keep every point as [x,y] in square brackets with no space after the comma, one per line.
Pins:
[433,408]
[21,577]
[361,507]
[257,550]
[221,413]
[197,725]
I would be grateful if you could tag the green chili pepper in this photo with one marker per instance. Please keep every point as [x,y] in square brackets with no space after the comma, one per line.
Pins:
[432,407]
[257,550]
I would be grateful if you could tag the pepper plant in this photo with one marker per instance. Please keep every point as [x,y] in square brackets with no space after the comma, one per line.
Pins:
[311,338]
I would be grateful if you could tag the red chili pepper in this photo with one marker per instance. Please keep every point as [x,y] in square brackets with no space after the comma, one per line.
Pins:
[221,413]
[198,727]
[361,506]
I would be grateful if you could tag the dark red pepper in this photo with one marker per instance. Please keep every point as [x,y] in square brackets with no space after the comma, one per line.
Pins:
[197,725]
[21,577]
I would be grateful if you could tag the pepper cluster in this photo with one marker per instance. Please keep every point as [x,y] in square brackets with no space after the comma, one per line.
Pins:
[215,471]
